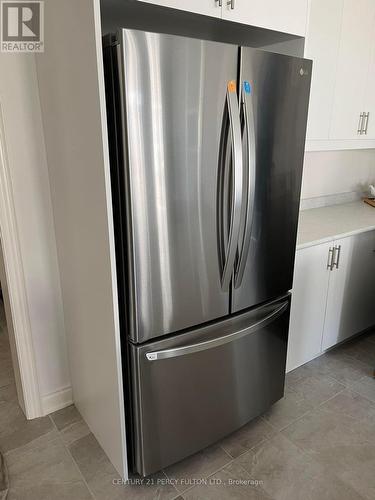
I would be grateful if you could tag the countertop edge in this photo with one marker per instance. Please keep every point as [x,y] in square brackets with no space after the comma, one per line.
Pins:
[334,237]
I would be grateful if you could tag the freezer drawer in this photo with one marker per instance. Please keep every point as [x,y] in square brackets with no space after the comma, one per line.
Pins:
[190,391]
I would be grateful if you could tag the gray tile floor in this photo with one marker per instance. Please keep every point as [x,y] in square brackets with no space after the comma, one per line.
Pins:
[318,442]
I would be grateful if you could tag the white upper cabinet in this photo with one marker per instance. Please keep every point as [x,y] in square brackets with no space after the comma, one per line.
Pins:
[322,46]
[205,7]
[288,16]
[352,68]
[369,105]
[341,42]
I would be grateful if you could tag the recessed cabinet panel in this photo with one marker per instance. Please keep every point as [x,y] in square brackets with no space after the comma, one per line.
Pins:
[322,46]
[309,297]
[369,105]
[289,16]
[205,7]
[352,68]
[351,297]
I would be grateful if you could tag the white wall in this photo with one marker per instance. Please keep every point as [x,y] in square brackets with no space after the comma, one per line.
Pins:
[30,185]
[333,172]
[10,330]
[73,110]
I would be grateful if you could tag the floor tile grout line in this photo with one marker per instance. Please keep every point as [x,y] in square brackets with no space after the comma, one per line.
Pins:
[234,459]
[261,488]
[231,462]
[332,375]
[279,431]
[312,410]
[169,479]
[308,411]
[263,441]
[362,395]
[208,475]
[363,363]
[224,450]
[211,474]
[315,376]
[5,453]
[73,460]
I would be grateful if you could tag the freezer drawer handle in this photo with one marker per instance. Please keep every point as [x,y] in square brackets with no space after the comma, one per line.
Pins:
[210,344]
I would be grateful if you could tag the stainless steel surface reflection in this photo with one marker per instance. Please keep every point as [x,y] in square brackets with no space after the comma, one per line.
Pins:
[206,144]
[276,116]
[186,402]
[175,93]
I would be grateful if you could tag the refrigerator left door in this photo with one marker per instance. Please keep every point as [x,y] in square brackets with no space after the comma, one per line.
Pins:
[174,93]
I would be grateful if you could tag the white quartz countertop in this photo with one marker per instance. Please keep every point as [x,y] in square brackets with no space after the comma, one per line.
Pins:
[319,225]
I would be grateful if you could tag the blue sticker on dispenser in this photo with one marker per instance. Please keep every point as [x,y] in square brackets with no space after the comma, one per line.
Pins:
[247,87]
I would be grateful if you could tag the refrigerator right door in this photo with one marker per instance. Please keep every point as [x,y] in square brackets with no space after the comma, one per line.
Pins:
[274,103]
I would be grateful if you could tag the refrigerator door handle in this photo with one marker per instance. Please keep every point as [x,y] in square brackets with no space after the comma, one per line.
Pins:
[237,181]
[210,344]
[248,111]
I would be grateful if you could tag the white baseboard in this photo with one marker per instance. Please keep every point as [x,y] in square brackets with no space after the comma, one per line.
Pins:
[57,400]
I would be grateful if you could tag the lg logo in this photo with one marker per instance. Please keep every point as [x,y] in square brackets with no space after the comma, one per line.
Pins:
[22,26]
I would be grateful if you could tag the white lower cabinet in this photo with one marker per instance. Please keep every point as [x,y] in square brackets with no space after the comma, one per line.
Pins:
[351,296]
[310,289]
[331,305]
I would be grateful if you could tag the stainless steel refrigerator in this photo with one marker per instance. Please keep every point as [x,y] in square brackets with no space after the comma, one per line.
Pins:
[207,145]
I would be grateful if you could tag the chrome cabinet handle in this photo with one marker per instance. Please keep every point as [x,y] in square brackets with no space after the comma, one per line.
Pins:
[360,124]
[337,255]
[365,127]
[219,2]
[248,215]
[231,4]
[210,344]
[237,181]
[330,259]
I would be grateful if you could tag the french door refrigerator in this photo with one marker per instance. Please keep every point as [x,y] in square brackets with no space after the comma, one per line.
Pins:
[206,145]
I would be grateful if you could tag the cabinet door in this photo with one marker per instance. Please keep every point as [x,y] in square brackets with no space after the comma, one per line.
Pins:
[322,46]
[288,16]
[352,68]
[369,105]
[310,289]
[206,7]
[351,296]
